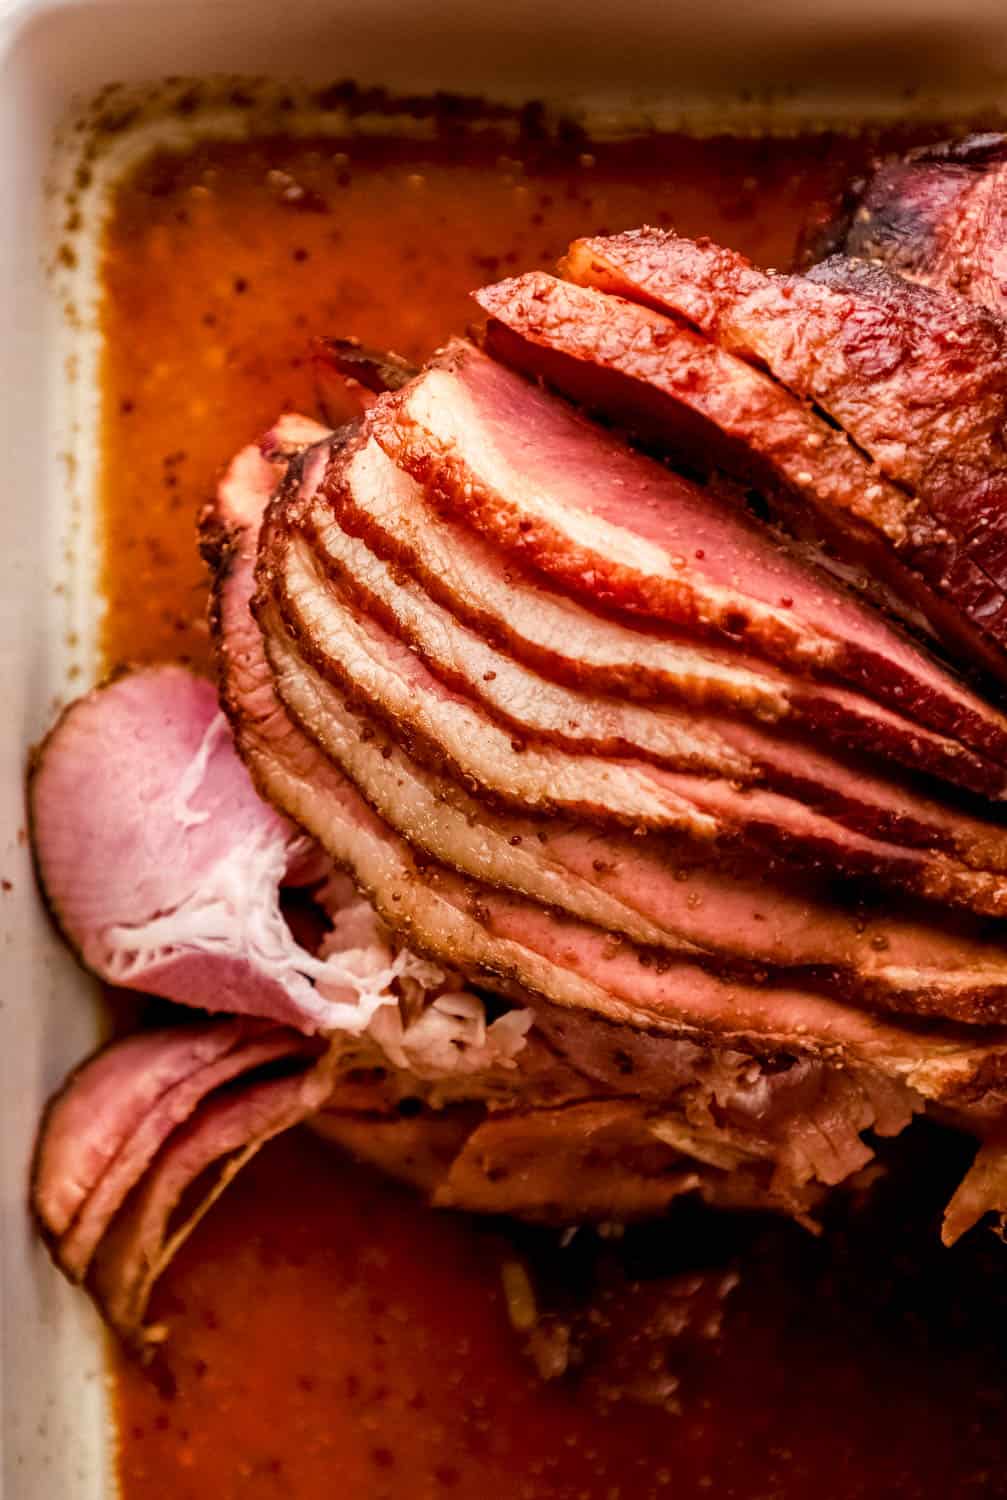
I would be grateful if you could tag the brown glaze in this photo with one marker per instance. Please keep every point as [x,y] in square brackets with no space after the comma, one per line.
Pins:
[329,1336]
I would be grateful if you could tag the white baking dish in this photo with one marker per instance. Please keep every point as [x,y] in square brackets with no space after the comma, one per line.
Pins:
[774,63]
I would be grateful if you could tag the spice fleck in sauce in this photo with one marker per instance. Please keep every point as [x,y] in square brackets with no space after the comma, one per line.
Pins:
[331,1337]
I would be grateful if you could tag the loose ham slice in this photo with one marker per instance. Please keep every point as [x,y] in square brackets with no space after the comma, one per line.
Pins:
[163,870]
[120,1118]
[537,479]
[551,633]
[915,377]
[162,1212]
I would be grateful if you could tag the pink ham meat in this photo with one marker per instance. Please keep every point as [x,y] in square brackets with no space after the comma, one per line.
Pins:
[559,493]
[163,870]
[450,732]
[120,1130]
[915,377]
[534,706]
[512,610]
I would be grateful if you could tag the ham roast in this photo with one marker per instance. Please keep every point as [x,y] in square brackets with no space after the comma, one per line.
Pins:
[650,855]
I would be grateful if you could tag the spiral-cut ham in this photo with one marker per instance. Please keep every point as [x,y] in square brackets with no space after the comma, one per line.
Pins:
[553,709]
[336,639]
[703,742]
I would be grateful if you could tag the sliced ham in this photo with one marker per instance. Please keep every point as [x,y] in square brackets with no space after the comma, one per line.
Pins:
[685,739]
[122,1116]
[655,895]
[512,610]
[913,376]
[453,734]
[575,502]
[477,930]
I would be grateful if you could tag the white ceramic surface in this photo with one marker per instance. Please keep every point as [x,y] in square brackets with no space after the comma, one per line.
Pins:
[838,58]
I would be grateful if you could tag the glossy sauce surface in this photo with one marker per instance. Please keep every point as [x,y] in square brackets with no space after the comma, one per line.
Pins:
[329,1335]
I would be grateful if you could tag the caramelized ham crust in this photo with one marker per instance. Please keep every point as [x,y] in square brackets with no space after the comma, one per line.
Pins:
[915,377]
[936,216]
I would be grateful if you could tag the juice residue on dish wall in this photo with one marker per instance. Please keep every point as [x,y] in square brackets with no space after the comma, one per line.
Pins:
[328,1334]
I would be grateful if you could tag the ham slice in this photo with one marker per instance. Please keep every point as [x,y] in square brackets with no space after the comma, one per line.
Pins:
[568,498]
[204,1155]
[166,876]
[121,1120]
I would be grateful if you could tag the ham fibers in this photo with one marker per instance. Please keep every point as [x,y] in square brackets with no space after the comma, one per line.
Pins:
[163,871]
[913,376]
[621,530]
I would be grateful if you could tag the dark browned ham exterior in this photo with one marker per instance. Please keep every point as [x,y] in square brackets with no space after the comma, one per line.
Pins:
[649,369]
[936,216]
[915,377]
[572,500]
